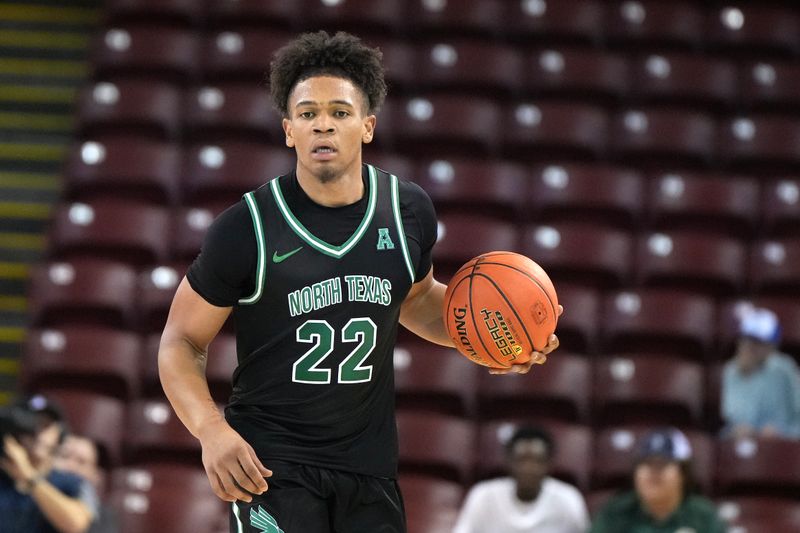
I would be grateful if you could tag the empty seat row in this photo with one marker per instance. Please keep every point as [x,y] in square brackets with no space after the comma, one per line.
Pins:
[692,325]
[519,129]
[686,24]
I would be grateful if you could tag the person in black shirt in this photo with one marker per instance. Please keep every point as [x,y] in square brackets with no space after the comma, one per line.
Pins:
[318,267]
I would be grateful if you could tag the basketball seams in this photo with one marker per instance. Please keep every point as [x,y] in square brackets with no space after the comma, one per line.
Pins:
[486,350]
[533,279]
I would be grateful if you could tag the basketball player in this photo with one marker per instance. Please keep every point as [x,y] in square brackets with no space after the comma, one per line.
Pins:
[318,267]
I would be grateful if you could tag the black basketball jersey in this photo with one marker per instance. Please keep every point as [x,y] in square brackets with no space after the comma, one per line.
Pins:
[315,339]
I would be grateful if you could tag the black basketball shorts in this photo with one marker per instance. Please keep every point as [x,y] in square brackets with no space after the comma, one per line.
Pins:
[309,499]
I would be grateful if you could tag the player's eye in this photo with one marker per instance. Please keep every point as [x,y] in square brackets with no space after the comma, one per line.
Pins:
[307,114]
[341,114]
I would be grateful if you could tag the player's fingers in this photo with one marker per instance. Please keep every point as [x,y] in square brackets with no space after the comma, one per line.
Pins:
[522,369]
[560,309]
[552,344]
[233,487]
[219,490]
[263,470]
[256,484]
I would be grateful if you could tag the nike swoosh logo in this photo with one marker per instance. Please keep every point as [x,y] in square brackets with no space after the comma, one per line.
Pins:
[280,258]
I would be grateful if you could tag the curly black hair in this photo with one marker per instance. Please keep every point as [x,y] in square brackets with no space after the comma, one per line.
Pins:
[318,53]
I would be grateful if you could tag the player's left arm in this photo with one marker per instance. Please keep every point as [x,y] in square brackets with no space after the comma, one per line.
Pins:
[421,312]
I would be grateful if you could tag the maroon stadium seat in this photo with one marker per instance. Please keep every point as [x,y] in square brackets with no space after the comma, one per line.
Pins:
[86,290]
[154,433]
[258,13]
[241,54]
[647,389]
[566,21]
[221,363]
[123,168]
[688,200]
[558,390]
[398,61]
[759,143]
[577,327]
[88,358]
[114,228]
[451,65]
[425,125]
[436,445]
[580,72]
[573,448]
[357,16]
[465,235]
[754,29]
[156,287]
[224,171]
[768,85]
[655,136]
[651,23]
[587,193]
[154,52]
[580,252]
[185,12]
[780,207]
[402,166]
[229,111]
[491,187]
[433,378]
[701,262]
[125,107]
[747,511]
[190,224]
[456,17]
[684,79]
[763,466]
[616,448]
[657,321]
[556,128]
[775,267]
[431,504]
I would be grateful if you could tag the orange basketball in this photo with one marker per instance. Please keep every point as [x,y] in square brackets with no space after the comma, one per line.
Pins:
[499,307]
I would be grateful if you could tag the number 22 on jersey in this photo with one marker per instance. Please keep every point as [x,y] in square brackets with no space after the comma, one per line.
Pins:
[322,335]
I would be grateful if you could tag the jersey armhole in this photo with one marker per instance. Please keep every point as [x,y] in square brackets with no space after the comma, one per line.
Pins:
[261,263]
[398,218]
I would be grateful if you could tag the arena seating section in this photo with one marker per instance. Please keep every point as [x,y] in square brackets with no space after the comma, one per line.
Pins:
[645,152]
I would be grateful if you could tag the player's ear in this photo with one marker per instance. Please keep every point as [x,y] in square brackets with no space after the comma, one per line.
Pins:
[287,129]
[368,129]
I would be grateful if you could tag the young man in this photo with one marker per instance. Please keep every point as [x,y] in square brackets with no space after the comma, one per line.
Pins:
[317,267]
[528,501]
[662,500]
[760,385]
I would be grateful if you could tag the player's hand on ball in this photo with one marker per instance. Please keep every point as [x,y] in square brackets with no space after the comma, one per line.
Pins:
[233,469]
[537,358]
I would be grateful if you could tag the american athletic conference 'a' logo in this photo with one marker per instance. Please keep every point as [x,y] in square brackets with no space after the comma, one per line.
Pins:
[264,521]
[384,240]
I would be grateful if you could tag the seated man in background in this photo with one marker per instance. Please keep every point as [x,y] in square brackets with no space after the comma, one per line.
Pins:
[760,385]
[529,501]
[35,498]
[80,455]
[662,499]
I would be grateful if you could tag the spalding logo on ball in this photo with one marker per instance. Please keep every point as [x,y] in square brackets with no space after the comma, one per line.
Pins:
[499,307]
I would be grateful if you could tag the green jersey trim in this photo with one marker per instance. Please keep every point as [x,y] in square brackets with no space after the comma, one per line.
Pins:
[261,265]
[318,244]
[399,221]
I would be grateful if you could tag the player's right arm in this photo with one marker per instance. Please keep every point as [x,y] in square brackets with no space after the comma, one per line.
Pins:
[233,468]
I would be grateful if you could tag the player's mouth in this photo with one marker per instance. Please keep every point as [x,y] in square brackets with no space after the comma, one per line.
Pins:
[323,152]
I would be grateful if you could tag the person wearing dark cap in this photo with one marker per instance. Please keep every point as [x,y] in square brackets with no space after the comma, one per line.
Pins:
[662,500]
[35,498]
[760,385]
[527,501]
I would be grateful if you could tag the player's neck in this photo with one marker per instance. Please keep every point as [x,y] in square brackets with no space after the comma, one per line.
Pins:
[345,189]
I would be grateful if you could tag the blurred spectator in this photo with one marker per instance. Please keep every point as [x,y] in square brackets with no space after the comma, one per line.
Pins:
[760,385]
[529,501]
[35,498]
[80,455]
[663,498]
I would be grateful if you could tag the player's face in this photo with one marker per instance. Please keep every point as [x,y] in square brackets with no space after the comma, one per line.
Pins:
[327,125]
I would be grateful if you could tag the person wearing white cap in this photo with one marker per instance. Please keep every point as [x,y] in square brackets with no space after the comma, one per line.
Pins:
[760,385]
[662,500]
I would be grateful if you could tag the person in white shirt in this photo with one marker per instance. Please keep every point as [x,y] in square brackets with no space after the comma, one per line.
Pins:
[529,501]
